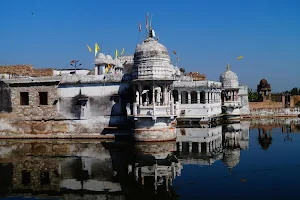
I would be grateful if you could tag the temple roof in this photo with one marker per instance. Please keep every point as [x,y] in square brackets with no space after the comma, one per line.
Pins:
[152,61]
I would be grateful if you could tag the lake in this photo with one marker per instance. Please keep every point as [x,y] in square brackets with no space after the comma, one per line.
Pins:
[235,161]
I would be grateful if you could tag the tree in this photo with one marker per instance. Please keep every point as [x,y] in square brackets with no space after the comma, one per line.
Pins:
[295,91]
[252,96]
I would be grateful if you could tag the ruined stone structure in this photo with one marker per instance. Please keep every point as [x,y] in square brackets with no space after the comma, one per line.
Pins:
[264,90]
[34,98]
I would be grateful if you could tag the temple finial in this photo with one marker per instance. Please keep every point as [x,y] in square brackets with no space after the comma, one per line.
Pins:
[228,66]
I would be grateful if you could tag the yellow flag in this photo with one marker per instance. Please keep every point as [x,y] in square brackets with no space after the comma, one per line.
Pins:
[89,48]
[117,53]
[122,51]
[240,57]
[97,48]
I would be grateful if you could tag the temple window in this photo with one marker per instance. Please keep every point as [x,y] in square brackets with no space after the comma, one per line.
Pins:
[43,98]
[44,178]
[24,98]
[202,97]
[26,178]
[193,97]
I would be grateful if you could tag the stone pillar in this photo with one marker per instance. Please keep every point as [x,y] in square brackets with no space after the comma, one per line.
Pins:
[211,145]
[172,107]
[134,109]
[199,147]
[198,97]
[153,95]
[158,97]
[137,96]
[179,97]
[96,70]
[165,97]
[207,147]
[190,147]
[189,97]
[180,146]
[206,97]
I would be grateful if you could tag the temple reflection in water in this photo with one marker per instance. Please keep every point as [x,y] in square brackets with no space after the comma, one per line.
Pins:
[114,170]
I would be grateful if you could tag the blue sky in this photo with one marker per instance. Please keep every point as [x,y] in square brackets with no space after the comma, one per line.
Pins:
[205,33]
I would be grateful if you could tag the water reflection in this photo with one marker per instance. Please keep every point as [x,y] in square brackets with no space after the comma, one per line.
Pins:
[205,146]
[123,170]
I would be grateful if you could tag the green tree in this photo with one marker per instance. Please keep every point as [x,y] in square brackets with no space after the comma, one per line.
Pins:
[252,96]
[295,91]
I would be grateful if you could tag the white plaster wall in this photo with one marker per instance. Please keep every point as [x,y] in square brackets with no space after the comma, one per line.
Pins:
[88,90]
[201,110]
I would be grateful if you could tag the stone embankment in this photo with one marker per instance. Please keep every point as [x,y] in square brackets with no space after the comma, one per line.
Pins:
[273,112]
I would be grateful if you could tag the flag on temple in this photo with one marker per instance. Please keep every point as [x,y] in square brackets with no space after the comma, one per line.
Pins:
[117,54]
[153,33]
[174,52]
[72,61]
[240,57]
[147,25]
[122,51]
[89,48]
[97,48]
[140,27]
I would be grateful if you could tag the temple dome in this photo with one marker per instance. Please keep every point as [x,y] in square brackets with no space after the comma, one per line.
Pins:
[152,61]
[229,79]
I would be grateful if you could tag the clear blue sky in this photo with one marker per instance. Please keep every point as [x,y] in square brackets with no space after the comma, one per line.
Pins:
[205,33]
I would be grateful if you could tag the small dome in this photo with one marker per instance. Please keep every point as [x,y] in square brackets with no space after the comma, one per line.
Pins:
[263,83]
[152,61]
[229,79]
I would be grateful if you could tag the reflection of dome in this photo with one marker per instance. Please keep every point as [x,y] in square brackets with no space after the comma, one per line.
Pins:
[152,61]
[231,157]
[229,79]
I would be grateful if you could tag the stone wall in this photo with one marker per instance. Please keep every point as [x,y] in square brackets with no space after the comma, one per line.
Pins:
[34,109]
[294,100]
[26,70]
[265,104]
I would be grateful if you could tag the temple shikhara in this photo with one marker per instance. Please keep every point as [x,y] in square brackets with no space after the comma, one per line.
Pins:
[144,91]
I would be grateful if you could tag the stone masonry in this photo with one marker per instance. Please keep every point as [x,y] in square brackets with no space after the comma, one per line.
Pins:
[34,109]
[25,70]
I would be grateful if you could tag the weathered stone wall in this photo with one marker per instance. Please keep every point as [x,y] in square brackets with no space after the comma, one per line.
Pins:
[25,70]
[34,109]
[266,104]
[294,100]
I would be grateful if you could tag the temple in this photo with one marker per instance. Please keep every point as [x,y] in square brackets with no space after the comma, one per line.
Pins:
[143,91]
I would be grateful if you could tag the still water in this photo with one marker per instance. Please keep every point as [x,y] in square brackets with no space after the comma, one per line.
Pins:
[237,161]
